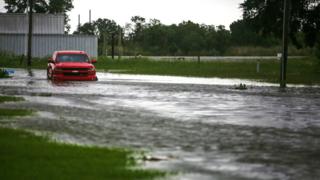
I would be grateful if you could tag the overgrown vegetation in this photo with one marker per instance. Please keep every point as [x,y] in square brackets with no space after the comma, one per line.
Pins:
[26,156]
[13,61]
[304,71]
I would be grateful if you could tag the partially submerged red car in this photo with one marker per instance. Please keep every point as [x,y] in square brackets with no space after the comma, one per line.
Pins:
[71,65]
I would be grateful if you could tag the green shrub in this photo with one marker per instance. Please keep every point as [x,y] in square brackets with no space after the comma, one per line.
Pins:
[317,51]
[15,61]
[3,74]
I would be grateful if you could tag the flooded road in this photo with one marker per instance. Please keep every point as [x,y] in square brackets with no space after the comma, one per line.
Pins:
[202,127]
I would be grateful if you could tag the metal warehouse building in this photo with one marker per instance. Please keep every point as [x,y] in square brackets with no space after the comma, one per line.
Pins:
[48,35]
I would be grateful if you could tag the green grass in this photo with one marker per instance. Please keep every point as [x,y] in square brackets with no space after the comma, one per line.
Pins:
[12,61]
[10,98]
[300,71]
[15,112]
[26,156]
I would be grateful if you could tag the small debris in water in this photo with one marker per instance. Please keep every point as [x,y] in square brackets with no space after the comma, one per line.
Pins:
[241,87]
[7,72]
[156,158]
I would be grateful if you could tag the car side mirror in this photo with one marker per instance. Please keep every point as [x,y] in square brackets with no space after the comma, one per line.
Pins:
[50,60]
[93,61]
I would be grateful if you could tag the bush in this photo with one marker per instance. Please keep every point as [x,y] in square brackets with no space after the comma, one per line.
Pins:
[3,73]
[317,51]
[16,61]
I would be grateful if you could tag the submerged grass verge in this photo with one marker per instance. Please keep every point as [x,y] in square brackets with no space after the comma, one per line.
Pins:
[10,99]
[4,112]
[26,156]
[15,112]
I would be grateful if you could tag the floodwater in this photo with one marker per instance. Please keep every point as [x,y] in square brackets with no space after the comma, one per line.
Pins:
[202,128]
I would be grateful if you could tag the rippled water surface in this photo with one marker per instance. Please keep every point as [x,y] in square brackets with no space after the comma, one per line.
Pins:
[201,127]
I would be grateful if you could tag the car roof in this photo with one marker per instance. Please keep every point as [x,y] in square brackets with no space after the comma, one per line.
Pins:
[70,52]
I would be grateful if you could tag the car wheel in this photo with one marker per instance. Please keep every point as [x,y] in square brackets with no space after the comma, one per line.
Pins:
[49,73]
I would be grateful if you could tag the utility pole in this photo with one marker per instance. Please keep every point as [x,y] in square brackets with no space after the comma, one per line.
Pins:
[120,43]
[284,59]
[29,56]
[104,49]
[112,45]
[79,21]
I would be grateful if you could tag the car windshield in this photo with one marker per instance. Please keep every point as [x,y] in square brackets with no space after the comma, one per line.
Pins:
[72,58]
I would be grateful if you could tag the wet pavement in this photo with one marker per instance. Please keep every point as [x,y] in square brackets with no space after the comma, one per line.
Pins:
[201,127]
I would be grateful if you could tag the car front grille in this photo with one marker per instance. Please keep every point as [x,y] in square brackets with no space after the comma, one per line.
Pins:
[75,69]
[75,73]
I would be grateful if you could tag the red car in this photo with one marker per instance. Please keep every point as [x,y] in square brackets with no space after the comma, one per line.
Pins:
[71,65]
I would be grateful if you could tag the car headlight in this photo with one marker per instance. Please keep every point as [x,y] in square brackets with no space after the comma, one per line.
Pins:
[92,69]
[58,70]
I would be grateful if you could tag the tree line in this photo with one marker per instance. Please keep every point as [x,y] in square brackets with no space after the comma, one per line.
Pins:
[261,26]
[155,38]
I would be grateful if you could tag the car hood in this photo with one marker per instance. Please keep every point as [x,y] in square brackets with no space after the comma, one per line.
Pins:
[74,65]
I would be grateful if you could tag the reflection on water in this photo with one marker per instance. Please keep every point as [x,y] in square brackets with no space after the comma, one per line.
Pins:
[206,128]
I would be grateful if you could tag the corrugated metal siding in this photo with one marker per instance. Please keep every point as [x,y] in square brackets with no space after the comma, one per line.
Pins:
[45,45]
[12,23]
[13,44]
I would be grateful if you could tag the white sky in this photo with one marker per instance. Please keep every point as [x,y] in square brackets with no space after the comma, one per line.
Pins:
[210,12]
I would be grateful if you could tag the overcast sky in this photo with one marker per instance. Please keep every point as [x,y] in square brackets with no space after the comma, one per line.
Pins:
[211,12]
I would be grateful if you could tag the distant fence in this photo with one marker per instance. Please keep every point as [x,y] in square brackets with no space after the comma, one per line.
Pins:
[208,58]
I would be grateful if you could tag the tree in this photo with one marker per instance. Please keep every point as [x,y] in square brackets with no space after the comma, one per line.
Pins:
[223,39]
[42,6]
[242,34]
[155,37]
[191,38]
[265,16]
[103,28]
[21,6]
[106,26]
[86,29]
[186,38]
[139,24]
